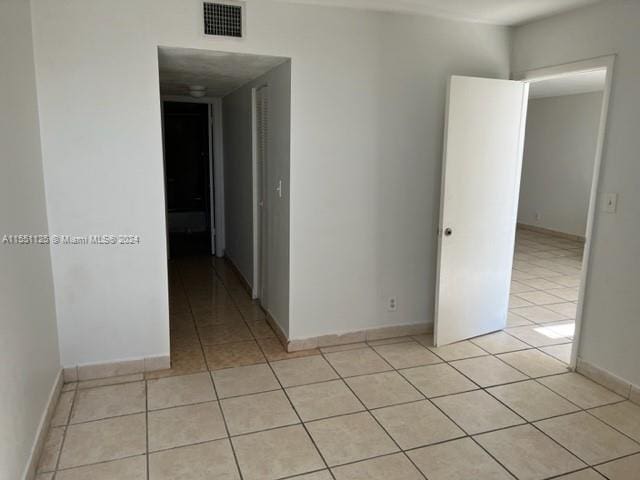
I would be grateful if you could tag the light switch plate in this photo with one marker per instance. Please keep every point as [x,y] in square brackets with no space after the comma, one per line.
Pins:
[609,202]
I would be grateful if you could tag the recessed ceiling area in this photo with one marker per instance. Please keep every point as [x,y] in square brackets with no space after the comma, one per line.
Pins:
[573,84]
[497,12]
[219,72]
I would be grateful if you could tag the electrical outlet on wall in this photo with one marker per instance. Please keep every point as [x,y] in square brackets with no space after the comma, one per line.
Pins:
[392,304]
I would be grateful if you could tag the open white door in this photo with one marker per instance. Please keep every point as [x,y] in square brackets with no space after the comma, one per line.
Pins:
[484,135]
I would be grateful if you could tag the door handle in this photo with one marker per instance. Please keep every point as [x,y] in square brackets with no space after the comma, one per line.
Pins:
[447,232]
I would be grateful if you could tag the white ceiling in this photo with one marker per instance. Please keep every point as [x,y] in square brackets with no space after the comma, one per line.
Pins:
[573,84]
[220,72]
[498,12]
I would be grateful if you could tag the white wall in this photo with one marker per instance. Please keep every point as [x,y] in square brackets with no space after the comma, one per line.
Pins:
[29,359]
[238,179]
[559,153]
[367,105]
[612,306]
[238,187]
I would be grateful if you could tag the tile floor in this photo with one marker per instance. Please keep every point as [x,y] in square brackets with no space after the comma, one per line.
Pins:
[235,405]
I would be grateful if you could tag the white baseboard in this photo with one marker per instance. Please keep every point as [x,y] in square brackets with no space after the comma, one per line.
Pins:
[554,233]
[117,368]
[43,428]
[609,380]
[371,334]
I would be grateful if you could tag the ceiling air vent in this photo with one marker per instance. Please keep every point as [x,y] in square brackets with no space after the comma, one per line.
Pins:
[223,19]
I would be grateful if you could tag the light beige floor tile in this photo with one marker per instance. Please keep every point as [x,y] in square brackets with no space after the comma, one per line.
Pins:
[179,426]
[565,328]
[623,416]
[389,341]
[520,287]
[260,411]
[109,401]
[587,437]
[406,354]
[224,333]
[231,355]
[537,335]
[416,424]
[569,294]
[203,461]
[44,476]
[623,469]
[357,362]
[301,371]
[342,348]
[477,412]
[567,309]
[104,440]
[528,453]
[515,301]
[63,409]
[560,352]
[438,380]
[540,283]
[383,389]
[457,460]
[350,438]
[245,380]
[134,468]
[566,280]
[276,453]
[587,474]
[103,382]
[321,400]
[180,390]
[322,475]
[488,371]
[540,298]
[51,450]
[396,467]
[532,401]
[425,339]
[499,342]
[534,363]
[580,390]
[519,276]
[515,320]
[261,329]
[539,314]
[458,351]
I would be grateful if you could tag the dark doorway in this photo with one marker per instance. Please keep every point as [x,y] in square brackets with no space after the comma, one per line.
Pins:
[186,144]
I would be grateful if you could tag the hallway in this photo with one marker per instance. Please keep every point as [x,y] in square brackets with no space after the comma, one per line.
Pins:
[214,323]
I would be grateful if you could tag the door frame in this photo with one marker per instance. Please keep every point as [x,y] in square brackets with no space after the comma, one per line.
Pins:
[544,73]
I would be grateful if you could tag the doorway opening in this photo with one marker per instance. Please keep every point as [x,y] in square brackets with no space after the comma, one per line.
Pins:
[226,139]
[580,93]
[561,136]
[189,189]
[523,288]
